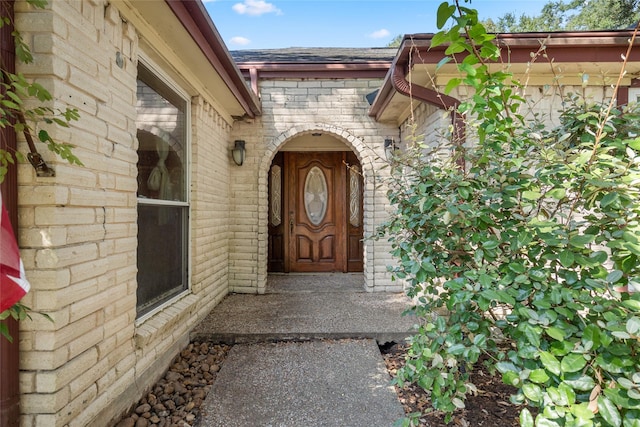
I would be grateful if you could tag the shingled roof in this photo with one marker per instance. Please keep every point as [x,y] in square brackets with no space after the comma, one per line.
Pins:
[316,55]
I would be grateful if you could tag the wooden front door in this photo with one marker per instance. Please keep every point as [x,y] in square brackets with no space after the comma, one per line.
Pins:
[315,231]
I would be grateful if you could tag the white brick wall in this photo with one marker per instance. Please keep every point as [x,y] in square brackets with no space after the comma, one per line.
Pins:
[292,108]
[431,125]
[78,230]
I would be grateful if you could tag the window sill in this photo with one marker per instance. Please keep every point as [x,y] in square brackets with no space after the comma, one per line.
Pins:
[164,320]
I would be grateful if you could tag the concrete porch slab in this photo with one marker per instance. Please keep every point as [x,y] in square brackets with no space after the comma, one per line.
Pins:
[243,318]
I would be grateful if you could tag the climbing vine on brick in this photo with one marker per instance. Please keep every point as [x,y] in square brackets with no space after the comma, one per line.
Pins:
[529,254]
[18,109]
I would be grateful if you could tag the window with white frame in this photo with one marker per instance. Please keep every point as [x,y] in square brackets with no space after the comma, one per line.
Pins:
[163,199]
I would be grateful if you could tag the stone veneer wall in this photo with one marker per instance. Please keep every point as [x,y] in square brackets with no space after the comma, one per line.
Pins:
[291,108]
[78,230]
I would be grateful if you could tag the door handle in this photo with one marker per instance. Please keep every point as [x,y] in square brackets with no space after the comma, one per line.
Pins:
[291,226]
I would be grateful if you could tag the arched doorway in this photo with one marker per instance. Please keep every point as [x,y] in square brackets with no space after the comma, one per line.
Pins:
[315,208]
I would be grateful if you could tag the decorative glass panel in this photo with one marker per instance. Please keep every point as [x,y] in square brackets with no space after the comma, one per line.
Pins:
[354,196]
[276,195]
[315,195]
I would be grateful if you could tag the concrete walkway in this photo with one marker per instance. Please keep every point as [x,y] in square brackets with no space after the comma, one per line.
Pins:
[306,354]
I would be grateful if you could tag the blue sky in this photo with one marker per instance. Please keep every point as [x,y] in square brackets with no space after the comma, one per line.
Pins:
[268,24]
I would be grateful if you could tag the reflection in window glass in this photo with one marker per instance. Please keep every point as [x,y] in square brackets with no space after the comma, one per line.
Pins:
[161,151]
[162,196]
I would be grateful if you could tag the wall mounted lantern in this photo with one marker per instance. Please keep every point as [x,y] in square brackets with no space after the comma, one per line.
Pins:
[238,152]
[390,148]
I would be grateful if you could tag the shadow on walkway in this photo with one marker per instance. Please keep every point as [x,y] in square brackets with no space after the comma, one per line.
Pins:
[308,306]
[306,354]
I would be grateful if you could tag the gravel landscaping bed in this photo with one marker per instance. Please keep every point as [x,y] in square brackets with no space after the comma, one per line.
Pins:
[175,400]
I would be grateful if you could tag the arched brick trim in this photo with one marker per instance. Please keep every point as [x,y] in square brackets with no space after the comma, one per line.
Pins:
[367,159]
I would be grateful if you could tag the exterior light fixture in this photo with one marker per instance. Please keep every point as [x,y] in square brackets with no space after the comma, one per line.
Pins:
[238,152]
[390,148]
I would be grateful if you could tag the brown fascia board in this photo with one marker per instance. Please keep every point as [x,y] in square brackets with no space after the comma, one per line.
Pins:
[197,22]
[299,70]
[396,82]
[588,46]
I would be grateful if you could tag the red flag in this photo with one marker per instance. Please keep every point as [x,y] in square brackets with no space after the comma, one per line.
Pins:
[13,281]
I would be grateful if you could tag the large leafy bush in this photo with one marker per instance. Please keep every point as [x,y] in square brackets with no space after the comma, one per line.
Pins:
[529,254]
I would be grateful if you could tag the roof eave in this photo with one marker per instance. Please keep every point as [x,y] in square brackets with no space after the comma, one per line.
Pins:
[195,19]
[564,46]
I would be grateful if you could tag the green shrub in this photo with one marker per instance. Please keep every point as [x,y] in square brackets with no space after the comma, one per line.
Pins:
[525,255]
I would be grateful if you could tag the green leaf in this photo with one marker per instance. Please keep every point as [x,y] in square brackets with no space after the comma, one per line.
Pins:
[566,258]
[634,143]
[538,376]
[614,276]
[550,362]
[456,349]
[452,84]
[15,97]
[438,39]
[490,244]
[581,240]
[9,104]
[609,411]
[557,193]
[631,419]
[628,264]
[573,362]
[533,392]
[555,333]
[4,331]
[608,199]
[632,304]
[542,421]
[599,257]
[526,419]
[531,195]
[511,378]
[633,325]
[582,412]
[445,12]
[591,334]
[582,383]
[480,340]
[504,367]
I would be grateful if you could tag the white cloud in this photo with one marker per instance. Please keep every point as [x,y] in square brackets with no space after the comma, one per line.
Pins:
[255,8]
[239,40]
[380,34]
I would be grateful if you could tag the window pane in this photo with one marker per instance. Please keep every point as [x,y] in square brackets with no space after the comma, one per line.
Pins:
[162,162]
[161,254]
[161,138]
